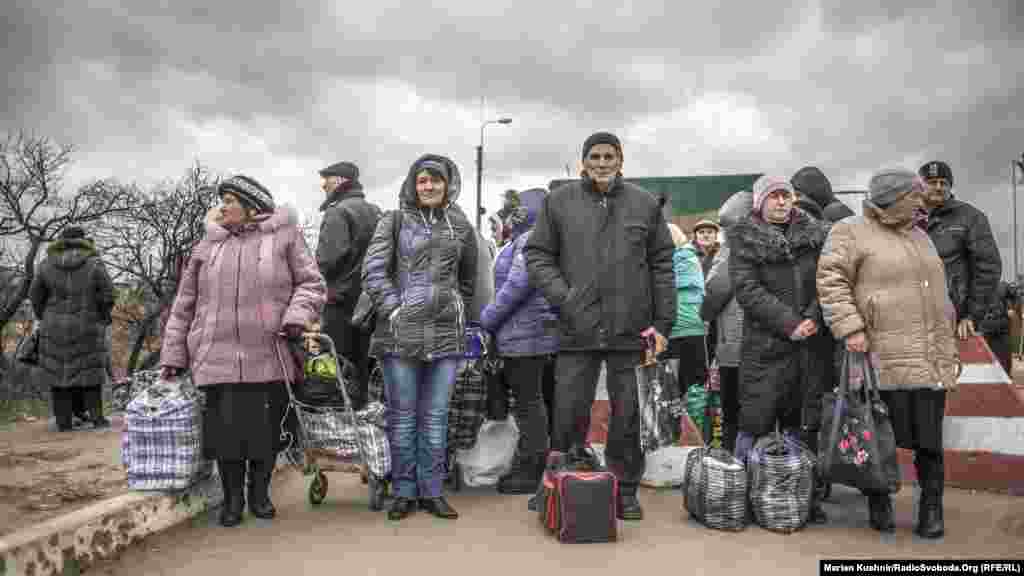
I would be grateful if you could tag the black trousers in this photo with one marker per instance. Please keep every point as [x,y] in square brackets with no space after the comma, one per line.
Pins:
[525,377]
[68,402]
[576,376]
[352,343]
[730,405]
[1000,345]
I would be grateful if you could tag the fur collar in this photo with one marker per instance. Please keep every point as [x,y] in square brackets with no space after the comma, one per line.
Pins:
[282,217]
[754,239]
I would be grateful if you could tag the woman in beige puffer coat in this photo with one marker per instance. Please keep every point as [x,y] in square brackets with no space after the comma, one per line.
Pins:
[882,289]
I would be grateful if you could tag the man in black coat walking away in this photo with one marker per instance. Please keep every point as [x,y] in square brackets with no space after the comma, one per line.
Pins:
[602,252]
[963,238]
[348,224]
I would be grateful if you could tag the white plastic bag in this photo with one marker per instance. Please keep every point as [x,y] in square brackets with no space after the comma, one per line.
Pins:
[491,457]
[666,467]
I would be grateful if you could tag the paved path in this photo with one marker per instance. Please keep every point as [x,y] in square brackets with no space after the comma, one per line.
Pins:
[496,536]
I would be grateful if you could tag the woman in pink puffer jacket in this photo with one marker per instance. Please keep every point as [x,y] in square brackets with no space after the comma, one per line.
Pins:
[251,277]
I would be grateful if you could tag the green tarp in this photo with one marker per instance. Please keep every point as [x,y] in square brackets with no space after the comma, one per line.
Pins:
[690,195]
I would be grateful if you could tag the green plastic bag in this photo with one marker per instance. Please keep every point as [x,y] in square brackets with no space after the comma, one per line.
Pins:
[696,404]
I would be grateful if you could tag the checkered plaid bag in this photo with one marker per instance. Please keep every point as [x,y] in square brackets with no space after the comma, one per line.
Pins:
[358,439]
[715,489]
[468,408]
[161,445]
[780,474]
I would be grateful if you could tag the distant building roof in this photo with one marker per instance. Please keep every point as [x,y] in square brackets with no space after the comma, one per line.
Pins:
[690,194]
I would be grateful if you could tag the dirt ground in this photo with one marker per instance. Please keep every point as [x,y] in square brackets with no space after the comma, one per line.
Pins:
[44,474]
[496,535]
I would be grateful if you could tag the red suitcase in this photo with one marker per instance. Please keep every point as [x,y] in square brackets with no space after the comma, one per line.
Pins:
[579,502]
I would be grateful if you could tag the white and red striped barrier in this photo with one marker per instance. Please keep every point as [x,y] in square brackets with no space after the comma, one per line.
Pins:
[983,432]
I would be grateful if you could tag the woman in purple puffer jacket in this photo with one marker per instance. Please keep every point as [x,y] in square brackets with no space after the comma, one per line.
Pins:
[525,329]
[250,278]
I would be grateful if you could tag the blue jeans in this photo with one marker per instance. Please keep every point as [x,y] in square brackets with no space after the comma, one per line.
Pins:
[418,394]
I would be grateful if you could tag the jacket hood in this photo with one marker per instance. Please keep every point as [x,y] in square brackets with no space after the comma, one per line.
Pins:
[811,207]
[811,182]
[407,195]
[736,207]
[836,211]
[281,217]
[70,253]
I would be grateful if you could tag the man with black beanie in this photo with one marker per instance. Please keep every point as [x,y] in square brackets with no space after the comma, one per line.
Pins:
[602,252]
[963,238]
[348,224]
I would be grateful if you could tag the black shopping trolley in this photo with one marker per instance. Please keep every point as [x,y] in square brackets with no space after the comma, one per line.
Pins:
[337,438]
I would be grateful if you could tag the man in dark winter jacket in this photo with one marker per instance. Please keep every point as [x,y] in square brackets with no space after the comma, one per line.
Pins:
[348,224]
[602,253]
[964,240]
[816,196]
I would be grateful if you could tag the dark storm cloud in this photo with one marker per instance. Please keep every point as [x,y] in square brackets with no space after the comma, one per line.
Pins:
[733,86]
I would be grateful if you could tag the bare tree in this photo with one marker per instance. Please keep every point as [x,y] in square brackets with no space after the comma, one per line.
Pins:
[149,247]
[34,209]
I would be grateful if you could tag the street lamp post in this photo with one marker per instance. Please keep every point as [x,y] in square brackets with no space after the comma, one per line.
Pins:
[480,164]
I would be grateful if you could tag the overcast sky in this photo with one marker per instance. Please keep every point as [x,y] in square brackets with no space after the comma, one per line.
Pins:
[729,87]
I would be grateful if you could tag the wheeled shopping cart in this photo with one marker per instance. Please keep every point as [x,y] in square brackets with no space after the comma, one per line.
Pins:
[337,438]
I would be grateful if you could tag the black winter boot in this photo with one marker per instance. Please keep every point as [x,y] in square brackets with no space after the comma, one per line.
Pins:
[931,477]
[232,481]
[260,472]
[880,513]
[629,504]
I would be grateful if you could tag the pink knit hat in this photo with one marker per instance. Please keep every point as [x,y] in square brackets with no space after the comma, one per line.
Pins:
[764,186]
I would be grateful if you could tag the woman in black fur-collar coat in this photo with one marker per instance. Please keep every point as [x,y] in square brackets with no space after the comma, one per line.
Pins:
[787,354]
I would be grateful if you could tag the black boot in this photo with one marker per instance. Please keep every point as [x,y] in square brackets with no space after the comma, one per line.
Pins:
[260,472]
[401,508]
[439,507]
[818,515]
[232,481]
[880,514]
[629,504]
[931,478]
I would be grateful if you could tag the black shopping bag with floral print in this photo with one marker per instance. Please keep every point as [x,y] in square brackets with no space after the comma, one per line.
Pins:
[857,445]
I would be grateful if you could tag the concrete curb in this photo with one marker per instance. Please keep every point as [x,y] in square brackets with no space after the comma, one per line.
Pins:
[72,543]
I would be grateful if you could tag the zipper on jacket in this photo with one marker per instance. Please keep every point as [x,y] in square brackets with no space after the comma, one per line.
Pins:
[238,327]
[923,288]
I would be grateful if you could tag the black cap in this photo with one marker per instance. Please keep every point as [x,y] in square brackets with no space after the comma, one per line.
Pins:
[346,170]
[601,138]
[936,169]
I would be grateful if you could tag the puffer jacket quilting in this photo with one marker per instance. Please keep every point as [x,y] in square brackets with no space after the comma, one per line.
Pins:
[435,277]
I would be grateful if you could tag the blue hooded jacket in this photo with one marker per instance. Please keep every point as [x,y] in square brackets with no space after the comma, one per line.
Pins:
[520,318]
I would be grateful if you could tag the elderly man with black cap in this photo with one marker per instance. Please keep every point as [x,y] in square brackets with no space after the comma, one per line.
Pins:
[345,231]
[882,290]
[602,252]
[963,237]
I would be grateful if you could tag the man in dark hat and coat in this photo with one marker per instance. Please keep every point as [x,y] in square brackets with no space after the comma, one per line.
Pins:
[602,252]
[963,237]
[349,221]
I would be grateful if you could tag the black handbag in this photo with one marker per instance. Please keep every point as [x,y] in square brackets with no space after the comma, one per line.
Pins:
[364,316]
[856,442]
[28,349]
